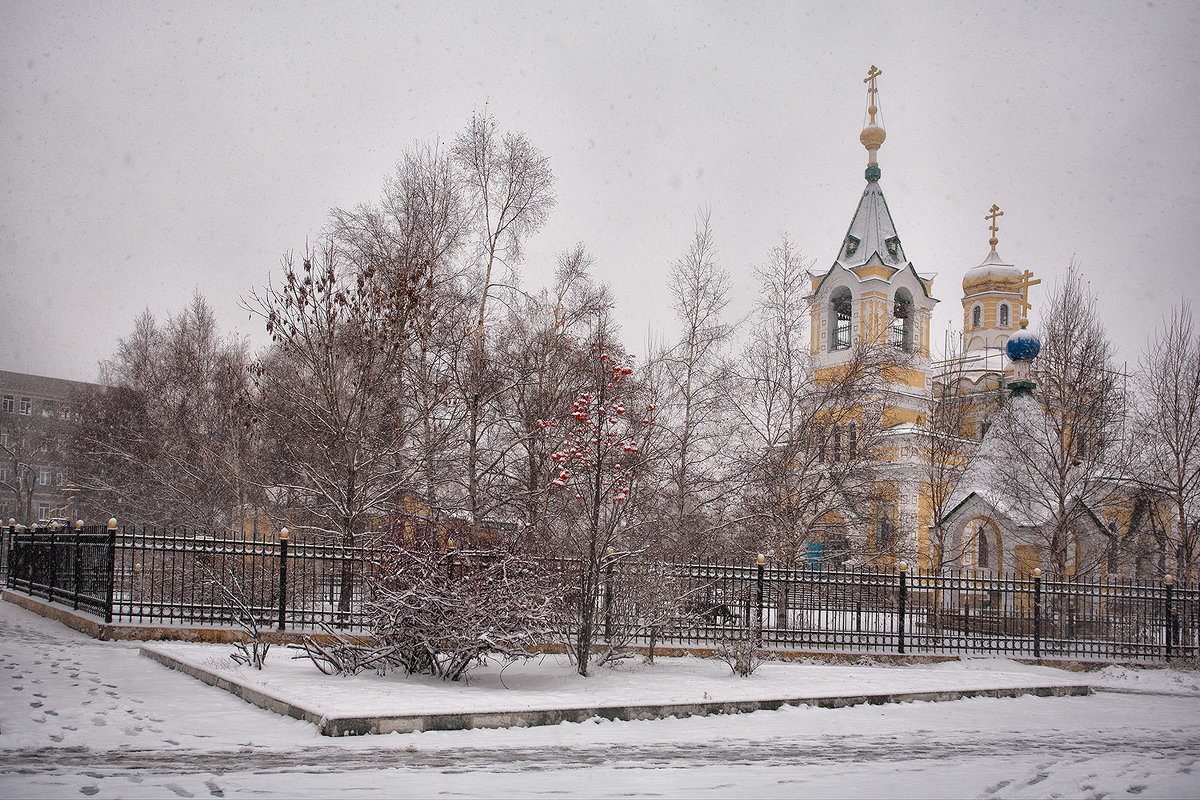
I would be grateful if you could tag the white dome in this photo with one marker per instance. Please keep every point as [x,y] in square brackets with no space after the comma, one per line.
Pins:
[993,266]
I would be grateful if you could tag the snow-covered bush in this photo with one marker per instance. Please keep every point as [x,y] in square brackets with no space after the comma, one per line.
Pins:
[742,650]
[441,611]
[252,649]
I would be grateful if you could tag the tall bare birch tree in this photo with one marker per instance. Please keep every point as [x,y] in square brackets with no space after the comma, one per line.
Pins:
[1169,428]
[512,193]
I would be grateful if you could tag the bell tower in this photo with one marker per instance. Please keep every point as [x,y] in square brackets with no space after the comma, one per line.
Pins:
[872,295]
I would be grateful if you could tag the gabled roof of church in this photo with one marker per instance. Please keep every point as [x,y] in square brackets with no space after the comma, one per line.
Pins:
[872,232]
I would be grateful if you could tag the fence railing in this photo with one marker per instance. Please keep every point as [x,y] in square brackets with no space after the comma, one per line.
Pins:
[194,578]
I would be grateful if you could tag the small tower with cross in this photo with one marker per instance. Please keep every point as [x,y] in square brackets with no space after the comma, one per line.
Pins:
[995,300]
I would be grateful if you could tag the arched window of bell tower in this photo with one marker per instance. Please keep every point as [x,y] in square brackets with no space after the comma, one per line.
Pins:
[977,316]
[1004,315]
[843,312]
[902,320]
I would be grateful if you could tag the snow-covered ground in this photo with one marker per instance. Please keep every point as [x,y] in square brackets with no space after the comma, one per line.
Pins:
[551,682]
[81,717]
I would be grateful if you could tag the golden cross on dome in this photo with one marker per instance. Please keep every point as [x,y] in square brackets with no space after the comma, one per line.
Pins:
[994,212]
[1023,286]
[873,73]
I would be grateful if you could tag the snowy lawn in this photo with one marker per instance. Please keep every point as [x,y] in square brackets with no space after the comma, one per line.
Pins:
[81,718]
[550,682]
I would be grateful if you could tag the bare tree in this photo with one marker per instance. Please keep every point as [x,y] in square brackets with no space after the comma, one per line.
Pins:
[694,423]
[325,392]
[541,355]
[511,186]
[418,230]
[946,449]
[165,444]
[806,450]
[1064,454]
[1169,428]
[29,444]
[599,463]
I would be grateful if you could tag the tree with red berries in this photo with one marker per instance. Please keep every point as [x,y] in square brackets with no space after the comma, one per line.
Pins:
[598,465]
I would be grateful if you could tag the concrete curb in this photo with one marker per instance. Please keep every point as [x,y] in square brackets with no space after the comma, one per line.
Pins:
[409,723]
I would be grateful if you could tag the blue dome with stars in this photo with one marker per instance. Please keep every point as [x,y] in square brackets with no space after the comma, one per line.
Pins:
[1023,345]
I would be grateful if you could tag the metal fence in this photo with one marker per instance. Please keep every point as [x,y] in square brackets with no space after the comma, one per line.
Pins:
[183,577]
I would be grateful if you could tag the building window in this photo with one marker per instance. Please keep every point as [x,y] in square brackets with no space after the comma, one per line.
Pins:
[982,561]
[885,531]
[59,478]
[1003,315]
[851,441]
[4,440]
[43,511]
[3,473]
[26,406]
[837,444]
[45,476]
[902,320]
[976,317]
[10,403]
[843,314]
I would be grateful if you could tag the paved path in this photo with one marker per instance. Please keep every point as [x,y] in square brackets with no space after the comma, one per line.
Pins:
[85,718]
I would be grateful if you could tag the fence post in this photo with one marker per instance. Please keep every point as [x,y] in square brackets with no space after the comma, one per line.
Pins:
[77,587]
[112,570]
[903,567]
[52,586]
[10,540]
[608,589]
[1168,617]
[283,556]
[1037,612]
[762,560]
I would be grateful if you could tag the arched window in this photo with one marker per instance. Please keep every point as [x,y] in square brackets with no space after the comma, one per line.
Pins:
[851,441]
[902,320]
[1004,315]
[981,537]
[842,303]
[977,317]
[837,444]
[885,531]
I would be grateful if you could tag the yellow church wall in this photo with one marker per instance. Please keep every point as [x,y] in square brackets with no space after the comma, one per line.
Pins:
[904,375]
[874,271]
[896,416]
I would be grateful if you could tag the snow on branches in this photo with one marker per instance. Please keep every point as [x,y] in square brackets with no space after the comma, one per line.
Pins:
[598,452]
[441,612]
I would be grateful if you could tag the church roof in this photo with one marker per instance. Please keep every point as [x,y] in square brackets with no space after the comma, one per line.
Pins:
[871,232]
[994,473]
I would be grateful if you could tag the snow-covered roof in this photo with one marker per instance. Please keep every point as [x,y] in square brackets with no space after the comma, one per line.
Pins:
[994,266]
[990,473]
[870,232]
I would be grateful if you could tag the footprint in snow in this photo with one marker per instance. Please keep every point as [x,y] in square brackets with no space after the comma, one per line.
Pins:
[179,790]
[54,737]
[89,790]
[35,705]
[99,722]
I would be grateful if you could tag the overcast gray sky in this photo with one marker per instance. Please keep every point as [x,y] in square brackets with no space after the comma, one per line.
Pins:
[149,149]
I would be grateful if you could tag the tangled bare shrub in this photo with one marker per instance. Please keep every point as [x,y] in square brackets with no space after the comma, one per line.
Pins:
[441,612]
[742,650]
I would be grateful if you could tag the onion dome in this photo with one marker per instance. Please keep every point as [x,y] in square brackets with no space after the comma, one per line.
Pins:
[991,267]
[1023,345]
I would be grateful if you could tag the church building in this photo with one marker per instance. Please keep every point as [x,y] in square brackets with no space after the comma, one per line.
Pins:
[873,296]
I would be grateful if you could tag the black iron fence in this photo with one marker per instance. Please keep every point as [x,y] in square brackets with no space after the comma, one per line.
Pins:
[183,577]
